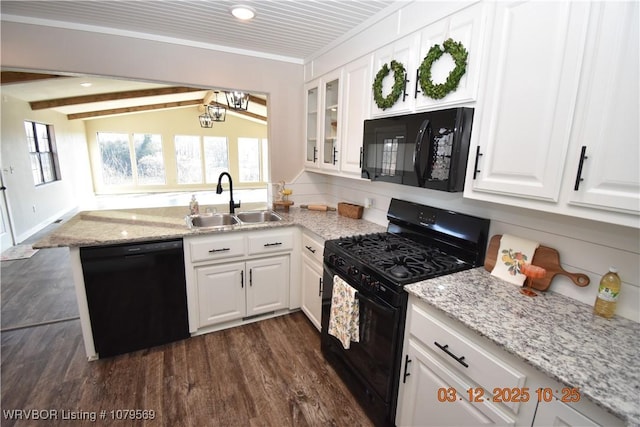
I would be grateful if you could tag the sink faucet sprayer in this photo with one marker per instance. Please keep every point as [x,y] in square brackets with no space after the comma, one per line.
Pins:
[232,204]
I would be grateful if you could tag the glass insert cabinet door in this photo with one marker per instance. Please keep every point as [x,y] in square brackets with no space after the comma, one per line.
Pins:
[312,125]
[330,130]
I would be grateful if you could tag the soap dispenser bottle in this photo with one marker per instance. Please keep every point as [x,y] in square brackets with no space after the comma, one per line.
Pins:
[194,207]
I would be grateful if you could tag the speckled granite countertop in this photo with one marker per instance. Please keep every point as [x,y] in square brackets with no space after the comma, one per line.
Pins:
[106,227]
[563,338]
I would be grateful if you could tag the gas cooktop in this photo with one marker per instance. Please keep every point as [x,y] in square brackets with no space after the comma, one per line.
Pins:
[399,259]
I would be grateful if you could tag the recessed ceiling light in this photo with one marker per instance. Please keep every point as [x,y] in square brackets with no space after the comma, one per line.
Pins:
[244,13]
[86,84]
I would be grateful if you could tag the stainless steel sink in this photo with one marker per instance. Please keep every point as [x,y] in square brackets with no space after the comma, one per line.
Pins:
[255,217]
[212,220]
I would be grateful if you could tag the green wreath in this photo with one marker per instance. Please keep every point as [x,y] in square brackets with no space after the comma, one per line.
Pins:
[459,55]
[398,85]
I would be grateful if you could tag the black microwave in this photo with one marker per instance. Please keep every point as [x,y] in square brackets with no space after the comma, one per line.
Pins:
[427,149]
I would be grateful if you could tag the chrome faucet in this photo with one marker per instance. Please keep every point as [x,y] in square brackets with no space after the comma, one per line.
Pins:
[232,205]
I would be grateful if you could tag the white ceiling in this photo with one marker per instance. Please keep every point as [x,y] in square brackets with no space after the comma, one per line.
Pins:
[290,30]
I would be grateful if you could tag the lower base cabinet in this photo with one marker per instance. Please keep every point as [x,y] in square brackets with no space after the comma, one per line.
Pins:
[243,289]
[450,374]
[312,247]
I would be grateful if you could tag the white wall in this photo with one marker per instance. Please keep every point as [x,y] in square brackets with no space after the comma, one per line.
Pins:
[33,208]
[35,47]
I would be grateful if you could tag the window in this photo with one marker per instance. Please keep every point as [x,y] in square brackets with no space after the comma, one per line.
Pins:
[117,153]
[216,157]
[149,160]
[188,159]
[42,150]
[249,159]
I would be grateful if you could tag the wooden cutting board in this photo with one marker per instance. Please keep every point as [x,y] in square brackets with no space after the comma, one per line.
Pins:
[545,257]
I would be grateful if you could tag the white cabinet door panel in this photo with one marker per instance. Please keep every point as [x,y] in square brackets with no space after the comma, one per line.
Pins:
[268,285]
[531,85]
[607,117]
[220,293]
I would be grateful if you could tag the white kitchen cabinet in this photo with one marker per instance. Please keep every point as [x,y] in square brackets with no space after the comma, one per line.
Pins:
[438,359]
[524,116]
[355,110]
[404,51]
[312,124]
[557,413]
[441,355]
[467,27]
[607,112]
[312,247]
[235,290]
[254,281]
[268,288]
[331,102]
[221,295]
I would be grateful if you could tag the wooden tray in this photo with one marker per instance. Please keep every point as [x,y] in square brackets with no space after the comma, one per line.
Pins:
[545,257]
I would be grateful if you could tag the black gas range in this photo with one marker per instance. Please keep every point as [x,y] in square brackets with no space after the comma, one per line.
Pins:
[421,242]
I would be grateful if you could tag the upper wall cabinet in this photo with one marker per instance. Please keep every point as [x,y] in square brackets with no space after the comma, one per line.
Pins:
[337,105]
[556,127]
[603,157]
[523,120]
[467,27]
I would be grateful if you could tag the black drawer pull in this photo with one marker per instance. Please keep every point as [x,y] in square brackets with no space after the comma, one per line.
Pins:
[583,157]
[272,244]
[406,365]
[219,250]
[445,347]
[313,251]
[320,287]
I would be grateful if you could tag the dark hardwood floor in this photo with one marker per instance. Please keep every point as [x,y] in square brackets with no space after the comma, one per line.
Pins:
[269,373]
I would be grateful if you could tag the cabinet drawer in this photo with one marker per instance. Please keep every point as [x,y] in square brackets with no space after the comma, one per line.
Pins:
[217,247]
[312,247]
[270,241]
[482,367]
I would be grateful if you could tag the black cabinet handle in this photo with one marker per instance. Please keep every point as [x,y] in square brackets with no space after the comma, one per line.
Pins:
[406,365]
[242,278]
[445,348]
[583,157]
[315,154]
[266,245]
[415,93]
[361,156]
[320,286]
[404,89]
[219,250]
[475,166]
[251,277]
[335,157]
[310,249]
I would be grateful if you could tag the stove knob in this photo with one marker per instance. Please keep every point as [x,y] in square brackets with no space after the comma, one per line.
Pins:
[340,262]
[375,285]
[353,271]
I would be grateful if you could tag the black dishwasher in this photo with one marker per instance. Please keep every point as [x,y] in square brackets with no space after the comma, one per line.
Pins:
[136,295]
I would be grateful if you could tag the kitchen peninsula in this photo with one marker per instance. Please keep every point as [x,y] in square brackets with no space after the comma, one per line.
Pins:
[555,335]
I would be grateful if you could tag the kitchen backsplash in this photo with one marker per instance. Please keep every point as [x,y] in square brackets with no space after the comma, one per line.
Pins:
[585,246]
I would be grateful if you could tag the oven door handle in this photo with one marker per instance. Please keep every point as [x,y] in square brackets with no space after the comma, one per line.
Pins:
[425,128]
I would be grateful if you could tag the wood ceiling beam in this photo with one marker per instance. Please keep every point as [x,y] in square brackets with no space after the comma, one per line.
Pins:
[9,77]
[141,108]
[113,96]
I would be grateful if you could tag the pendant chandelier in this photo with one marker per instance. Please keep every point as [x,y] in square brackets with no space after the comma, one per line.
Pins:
[237,100]
[212,113]
[217,113]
